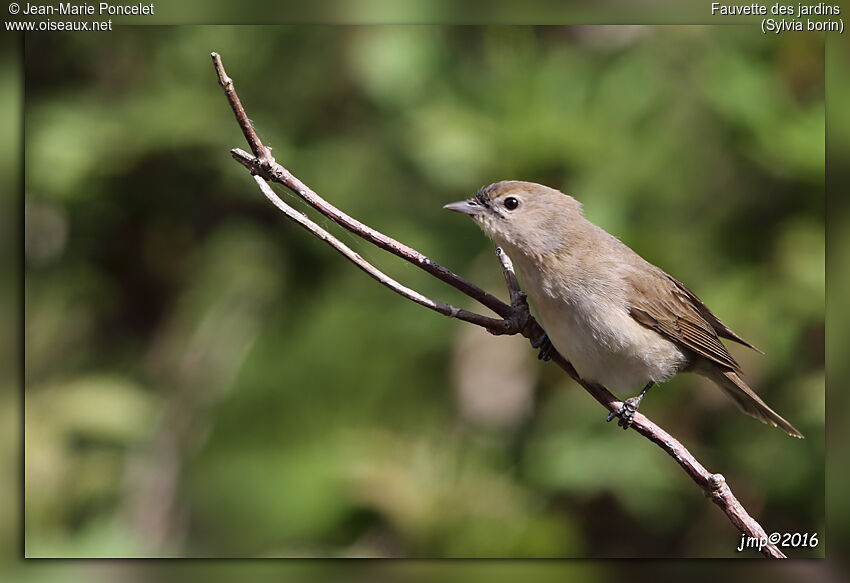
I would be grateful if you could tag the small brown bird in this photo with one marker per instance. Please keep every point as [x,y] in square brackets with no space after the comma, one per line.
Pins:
[621,321]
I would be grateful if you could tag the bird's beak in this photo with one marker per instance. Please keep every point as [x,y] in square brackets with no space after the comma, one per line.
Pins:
[467,207]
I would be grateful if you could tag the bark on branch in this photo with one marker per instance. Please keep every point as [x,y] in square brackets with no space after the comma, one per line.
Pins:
[515,317]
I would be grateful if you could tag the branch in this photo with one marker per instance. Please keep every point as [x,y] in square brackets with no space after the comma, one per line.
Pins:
[271,170]
[515,318]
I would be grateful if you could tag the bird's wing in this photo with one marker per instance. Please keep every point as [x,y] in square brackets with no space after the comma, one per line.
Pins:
[658,301]
[722,329]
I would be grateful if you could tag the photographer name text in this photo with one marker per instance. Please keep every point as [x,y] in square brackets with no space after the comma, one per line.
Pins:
[100,9]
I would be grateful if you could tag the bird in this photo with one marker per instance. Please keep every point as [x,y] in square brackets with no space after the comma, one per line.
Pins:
[621,321]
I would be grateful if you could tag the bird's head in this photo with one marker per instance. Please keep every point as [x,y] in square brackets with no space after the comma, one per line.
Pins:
[525,216]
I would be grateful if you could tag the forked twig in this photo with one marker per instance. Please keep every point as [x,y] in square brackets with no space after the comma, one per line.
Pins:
[514,318]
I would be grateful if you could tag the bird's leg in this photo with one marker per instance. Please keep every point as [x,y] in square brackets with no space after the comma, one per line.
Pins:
[627,411]
[545,345]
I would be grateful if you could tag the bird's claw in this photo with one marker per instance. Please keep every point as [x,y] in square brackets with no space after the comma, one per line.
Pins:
[545,345]
[626,412]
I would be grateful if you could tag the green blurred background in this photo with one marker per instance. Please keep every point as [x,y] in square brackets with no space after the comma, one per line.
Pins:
[205,379]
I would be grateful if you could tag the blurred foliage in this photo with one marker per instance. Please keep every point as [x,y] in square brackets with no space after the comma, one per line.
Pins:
[204,379]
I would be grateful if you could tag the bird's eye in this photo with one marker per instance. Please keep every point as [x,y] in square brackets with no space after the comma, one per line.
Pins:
[511,203]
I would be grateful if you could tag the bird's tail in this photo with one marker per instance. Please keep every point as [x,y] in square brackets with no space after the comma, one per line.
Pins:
[750,403]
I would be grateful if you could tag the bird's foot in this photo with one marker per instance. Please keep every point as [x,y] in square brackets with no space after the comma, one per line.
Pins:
[545,345]
[626,412]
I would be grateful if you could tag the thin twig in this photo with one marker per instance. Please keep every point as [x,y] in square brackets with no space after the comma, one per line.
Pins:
[261,152]
[276,173]
[516,317]
[385,280]
[517,295]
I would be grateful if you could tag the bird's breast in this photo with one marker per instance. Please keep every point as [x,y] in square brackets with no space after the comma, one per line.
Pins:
[591,327]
